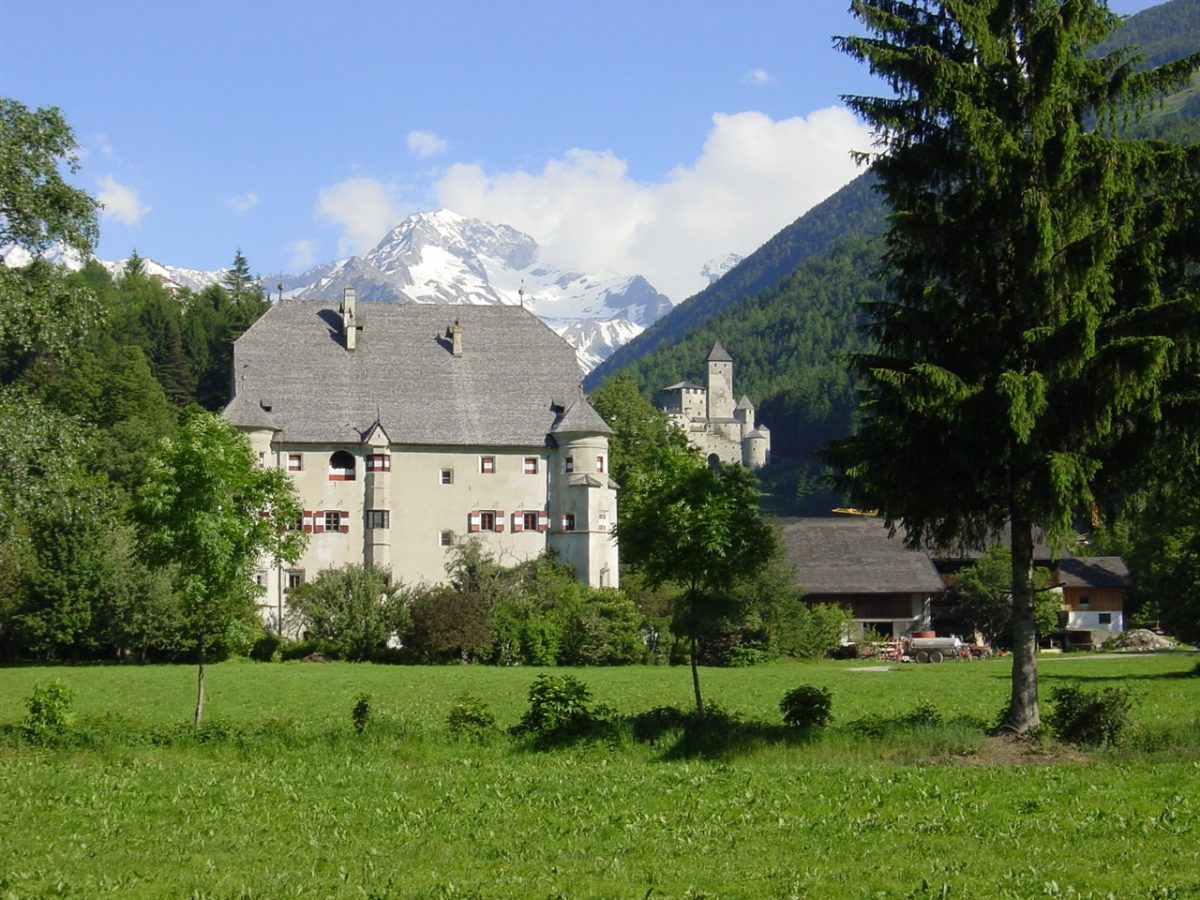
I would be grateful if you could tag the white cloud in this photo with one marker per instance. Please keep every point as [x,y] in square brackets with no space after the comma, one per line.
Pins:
[364,208]
[303,254]
[426,143]
[758,76]
[754,175]
[120,202]
[242,202]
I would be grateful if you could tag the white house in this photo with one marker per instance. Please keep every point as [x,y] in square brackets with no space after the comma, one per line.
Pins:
[407,427]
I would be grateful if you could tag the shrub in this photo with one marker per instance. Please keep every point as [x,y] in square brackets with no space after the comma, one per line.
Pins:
[743,655]
[1090,718]
[807,706]
[362,712]
[49,711]
[559,711]
[924,713]
[471,719]
[267,647]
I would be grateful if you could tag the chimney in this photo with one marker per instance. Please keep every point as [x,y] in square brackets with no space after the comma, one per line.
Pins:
[454,332]
[349,320]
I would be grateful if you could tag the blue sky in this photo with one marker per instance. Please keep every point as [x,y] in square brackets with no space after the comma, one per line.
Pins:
[624,136]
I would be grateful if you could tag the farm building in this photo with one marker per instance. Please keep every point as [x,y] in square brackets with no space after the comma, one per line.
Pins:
[851,561]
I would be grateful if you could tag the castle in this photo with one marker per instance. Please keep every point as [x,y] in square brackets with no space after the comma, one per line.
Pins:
[408,427]
[713,424]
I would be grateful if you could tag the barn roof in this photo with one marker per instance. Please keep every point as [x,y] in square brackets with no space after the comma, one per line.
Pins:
[854,555]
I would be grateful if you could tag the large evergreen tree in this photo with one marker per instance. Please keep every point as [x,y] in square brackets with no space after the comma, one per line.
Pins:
[1039,319]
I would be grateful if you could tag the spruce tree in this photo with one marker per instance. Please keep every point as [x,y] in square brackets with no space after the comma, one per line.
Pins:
[1035,329]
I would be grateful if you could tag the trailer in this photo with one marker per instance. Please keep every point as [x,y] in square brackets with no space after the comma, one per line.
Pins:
[934,649]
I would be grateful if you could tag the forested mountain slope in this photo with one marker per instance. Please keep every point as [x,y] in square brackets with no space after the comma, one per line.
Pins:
[1163,34]
[786,344]
[855,209]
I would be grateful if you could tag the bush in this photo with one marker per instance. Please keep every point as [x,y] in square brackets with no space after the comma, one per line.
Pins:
[814,632]
[266,647]
[471,719]
[807,707]
[559,711]
[362,712]
[744,655]
[1090,718]
[49,711]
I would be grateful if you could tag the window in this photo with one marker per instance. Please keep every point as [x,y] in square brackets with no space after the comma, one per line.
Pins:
[1085,602]
[446,476]
[262,459]
[341,466]
[446,538]
[487,520]
[379,462]
[260,578]
[378,518]
[569,464]
[600,464]
[529,521]
[293,578]
[568,522]
[1105,618]
[531,465]
[295,462]
[333,520]
[487,465]
[602,521]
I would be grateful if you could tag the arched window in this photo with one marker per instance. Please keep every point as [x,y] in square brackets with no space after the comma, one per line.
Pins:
[341,466]
[714,462]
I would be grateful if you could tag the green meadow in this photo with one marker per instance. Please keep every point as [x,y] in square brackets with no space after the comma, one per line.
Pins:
[902,795]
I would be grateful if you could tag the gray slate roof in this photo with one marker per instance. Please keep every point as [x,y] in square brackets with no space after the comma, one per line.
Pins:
[246,413]
[719,354]
[580,418]
[854,555]
[1095,571]
[500,392]
[682,384]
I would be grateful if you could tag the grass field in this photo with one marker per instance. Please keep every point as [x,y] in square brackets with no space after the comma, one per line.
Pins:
[285,798]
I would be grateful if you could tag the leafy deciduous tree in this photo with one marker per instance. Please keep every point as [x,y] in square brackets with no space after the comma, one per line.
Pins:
[354,609]
[206,507]
[686,523]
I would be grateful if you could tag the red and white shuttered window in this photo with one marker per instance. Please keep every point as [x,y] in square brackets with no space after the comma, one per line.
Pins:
[530,465]
[568,522]
[341,466]
[485,520]
[295,462]
[487,465]
[319,521]
[530,520]
[602,521]
[600,464]
[379,462]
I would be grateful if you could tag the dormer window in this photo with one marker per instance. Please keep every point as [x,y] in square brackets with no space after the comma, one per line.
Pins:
[341,466]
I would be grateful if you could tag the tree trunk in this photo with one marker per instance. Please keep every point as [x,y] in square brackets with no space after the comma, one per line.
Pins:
[1023,714]
[695,669]
[200,690]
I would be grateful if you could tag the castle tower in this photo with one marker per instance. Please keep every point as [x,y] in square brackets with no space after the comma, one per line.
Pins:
[720,383]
